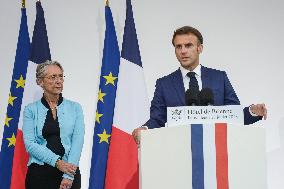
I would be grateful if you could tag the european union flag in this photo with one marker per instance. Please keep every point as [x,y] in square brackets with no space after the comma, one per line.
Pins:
[105,105]
[14,104]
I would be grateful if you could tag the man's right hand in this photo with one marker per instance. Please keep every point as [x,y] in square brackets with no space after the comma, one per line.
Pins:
[137,133]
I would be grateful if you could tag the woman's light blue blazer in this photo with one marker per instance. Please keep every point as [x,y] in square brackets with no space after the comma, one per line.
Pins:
[72,130]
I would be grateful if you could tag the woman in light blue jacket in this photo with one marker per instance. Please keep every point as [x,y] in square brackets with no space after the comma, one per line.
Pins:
[53,134]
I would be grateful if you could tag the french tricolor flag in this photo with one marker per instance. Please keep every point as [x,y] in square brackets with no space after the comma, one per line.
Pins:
[204,156]
[122,106]
[131,111]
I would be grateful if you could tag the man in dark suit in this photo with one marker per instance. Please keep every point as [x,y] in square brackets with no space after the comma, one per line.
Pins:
[170,89]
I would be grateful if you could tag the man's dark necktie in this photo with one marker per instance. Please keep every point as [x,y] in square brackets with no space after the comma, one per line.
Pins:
[193,84]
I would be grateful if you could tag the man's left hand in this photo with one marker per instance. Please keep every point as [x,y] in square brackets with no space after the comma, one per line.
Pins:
[259,109]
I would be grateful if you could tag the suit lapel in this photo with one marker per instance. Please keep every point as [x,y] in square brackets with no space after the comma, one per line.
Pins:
[205,78]
[179,86]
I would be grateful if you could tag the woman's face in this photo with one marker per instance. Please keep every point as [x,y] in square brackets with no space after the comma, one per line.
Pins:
[52,82]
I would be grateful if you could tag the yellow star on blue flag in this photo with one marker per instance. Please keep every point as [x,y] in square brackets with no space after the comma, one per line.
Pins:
[12,140]
[110,79]
[104,137]
[98,116]
[11,99]
[101,95]
[20,82]
[7,120]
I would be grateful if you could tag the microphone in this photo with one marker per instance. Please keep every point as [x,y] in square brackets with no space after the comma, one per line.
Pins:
[192,97]
[206,97]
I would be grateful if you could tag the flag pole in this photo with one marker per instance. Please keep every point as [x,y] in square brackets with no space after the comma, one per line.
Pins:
[23,4]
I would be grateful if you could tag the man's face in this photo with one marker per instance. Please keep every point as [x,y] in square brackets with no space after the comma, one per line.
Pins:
[187,49]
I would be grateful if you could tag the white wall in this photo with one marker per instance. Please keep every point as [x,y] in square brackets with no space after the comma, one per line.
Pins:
[245,38]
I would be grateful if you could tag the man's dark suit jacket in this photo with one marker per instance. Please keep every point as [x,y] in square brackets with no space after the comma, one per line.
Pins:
[170,92]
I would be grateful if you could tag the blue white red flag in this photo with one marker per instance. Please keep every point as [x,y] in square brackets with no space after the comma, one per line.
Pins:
[131,111]
[115,162]
[204,156]
[227,156]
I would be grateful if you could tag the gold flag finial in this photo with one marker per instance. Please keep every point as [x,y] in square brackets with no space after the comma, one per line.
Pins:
[23,4]
[107,3]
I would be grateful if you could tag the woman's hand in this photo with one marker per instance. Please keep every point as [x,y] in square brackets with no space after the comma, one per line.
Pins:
[65,183]
[65,167]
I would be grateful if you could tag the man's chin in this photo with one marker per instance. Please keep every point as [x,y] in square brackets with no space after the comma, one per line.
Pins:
[186,64]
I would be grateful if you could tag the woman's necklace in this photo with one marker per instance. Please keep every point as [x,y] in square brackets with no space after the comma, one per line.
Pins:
[54,108]
[52,104]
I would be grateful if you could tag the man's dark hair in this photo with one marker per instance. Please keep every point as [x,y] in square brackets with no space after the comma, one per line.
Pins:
[188,30]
